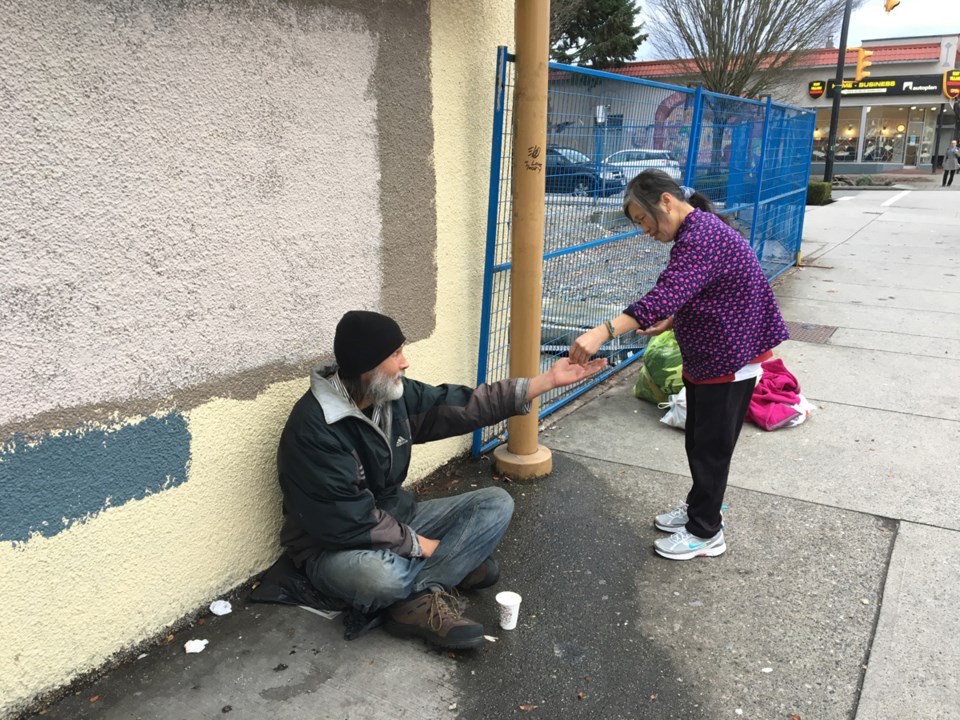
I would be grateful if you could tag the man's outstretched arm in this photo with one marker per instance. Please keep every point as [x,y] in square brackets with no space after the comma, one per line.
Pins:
[443,411]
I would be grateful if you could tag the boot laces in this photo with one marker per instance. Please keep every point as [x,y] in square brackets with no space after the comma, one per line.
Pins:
[445,606]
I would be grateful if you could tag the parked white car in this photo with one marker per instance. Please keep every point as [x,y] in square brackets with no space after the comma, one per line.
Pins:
[636,160]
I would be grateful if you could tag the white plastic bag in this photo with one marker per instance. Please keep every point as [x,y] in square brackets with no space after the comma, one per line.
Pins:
[676,416]
[804,408]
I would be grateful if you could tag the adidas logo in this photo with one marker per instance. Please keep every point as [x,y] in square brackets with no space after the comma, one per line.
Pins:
[401,441]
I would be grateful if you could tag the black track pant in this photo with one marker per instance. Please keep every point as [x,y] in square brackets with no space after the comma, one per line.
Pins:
[714,417]
[950,181]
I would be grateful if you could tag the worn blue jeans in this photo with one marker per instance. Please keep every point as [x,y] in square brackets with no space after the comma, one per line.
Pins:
[469,527]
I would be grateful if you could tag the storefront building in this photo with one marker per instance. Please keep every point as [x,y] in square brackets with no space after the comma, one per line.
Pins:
[901,116]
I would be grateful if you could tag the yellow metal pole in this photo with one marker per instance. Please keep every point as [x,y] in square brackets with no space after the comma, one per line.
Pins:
[524,458]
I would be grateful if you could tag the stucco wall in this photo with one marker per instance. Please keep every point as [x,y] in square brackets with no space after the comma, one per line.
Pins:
[190,197]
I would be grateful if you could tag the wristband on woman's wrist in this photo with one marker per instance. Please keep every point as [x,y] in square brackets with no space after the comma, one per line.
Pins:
[609,326]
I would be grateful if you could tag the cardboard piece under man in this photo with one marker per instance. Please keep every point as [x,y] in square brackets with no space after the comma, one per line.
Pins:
[343,456]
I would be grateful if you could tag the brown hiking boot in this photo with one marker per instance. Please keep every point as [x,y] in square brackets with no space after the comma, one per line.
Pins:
[434,615]
[483,576]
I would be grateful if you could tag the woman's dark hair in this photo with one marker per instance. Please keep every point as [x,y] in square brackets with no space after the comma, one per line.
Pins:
[646,189]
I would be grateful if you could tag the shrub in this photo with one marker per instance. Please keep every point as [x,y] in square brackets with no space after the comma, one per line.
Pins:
[818,193]
[714,186]
[864,180]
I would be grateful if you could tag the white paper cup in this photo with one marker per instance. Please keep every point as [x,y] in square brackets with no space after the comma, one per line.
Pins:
[508,603]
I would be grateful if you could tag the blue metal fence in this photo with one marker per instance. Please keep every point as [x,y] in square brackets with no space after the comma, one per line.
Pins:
[751,158]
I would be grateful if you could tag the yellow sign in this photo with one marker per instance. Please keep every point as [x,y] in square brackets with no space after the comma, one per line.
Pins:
[951,84]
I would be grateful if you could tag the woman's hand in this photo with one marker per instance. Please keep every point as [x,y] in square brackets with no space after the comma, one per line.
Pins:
[586,346]
[658,327]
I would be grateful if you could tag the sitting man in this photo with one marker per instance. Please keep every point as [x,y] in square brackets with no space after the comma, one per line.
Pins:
[343,456]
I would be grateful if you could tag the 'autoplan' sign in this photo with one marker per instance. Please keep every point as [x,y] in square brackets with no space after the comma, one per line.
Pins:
[901,85]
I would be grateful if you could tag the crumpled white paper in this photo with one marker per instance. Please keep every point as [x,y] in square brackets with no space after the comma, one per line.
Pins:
[221,607]
[195,646]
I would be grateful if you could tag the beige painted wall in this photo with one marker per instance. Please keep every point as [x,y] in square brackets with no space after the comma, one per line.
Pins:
[210,249]
[171,177]
[465,37]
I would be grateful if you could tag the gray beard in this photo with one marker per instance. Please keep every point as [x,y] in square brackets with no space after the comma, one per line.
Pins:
[384,389]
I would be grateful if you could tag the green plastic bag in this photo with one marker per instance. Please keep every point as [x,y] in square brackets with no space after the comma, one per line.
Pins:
[662,371]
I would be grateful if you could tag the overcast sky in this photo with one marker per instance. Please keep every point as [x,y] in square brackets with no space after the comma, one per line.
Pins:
[909,18]
[871,22]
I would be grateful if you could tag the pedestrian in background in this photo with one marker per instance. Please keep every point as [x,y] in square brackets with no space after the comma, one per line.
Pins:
[714,295]
[951,163]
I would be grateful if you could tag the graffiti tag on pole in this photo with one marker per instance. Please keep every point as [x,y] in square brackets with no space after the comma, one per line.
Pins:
[533,152]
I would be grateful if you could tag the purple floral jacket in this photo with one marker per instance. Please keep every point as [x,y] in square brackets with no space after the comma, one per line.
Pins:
[725,314]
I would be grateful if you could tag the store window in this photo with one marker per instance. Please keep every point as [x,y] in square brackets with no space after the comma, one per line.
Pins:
[885,138]
[848,134]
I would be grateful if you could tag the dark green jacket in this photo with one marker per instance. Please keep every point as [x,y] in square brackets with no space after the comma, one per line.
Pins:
[341,476]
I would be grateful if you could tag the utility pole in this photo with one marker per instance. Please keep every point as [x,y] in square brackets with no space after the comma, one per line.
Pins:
[523,458]
[838,88]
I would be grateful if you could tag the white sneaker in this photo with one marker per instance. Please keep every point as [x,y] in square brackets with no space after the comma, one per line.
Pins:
[681,545]
[672,521]
[676,520]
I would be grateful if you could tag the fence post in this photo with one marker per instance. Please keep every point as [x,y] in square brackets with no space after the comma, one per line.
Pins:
[758,196]
[493,212]
[808,146]
[524,458]
[693,147]
[598,163]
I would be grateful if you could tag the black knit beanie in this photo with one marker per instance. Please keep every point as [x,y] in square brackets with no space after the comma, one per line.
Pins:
[365,339]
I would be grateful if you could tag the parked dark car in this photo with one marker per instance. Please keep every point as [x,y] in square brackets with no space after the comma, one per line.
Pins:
[570,171]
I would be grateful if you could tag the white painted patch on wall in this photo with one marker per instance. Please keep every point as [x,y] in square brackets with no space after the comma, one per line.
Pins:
[188,193]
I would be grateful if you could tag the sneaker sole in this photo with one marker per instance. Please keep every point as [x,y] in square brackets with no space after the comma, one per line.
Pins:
[409,631]
[668,528]
[706,552]
[678,528]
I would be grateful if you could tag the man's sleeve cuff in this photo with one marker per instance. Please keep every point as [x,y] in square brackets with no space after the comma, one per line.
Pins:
[523,384]
[415,551]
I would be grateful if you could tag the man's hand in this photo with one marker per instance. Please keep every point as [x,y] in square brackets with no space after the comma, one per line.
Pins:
[658,327]
[563,373]
[427,545]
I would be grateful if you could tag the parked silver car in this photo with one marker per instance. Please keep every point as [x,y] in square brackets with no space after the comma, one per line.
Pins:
[636,160]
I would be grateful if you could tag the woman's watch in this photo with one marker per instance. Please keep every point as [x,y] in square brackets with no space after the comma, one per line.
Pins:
[609,324]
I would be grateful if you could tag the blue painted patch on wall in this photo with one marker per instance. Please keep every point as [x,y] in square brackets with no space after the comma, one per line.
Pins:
[47,485]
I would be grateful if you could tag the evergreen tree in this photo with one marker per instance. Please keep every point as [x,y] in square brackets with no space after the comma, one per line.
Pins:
[597,34]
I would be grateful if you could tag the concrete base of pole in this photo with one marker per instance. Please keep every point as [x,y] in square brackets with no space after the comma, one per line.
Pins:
[523,467]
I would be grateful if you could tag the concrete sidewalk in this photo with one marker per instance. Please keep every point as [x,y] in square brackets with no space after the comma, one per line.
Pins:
[839,596]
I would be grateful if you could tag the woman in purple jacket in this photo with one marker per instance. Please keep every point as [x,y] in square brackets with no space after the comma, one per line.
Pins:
[716,298]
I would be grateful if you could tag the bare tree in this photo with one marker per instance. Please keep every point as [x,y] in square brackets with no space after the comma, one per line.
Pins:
[743,47]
